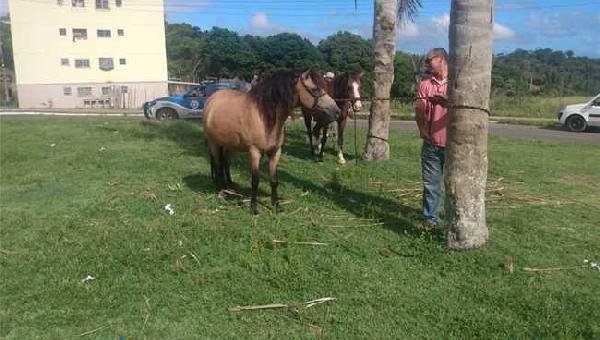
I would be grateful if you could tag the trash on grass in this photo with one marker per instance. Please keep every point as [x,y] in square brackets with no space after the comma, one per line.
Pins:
[87,279]
[169,209]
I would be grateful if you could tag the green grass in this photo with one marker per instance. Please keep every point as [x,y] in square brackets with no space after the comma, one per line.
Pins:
[536,110]
[532,107]
[93,204]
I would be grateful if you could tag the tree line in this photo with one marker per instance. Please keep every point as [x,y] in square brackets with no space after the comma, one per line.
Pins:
[194,54]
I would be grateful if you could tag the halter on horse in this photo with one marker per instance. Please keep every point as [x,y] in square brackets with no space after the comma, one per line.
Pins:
[254,122]
[346,91]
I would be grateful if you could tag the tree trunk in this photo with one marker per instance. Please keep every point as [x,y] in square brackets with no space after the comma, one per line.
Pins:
[466,153]
[384,41]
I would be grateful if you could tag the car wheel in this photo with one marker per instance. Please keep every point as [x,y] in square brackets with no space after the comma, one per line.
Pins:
[576,123]
[166,113]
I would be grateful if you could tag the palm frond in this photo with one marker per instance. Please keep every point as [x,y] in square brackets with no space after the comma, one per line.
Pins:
[408,9]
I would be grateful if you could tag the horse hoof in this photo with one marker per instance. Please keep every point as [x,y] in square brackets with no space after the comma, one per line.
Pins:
[278,208]
[254,208]
[341,161]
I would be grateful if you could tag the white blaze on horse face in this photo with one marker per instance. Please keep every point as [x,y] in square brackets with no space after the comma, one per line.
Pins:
[357,104]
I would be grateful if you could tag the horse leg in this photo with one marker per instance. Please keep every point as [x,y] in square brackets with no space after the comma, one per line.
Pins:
[316,135]
[323,141]
[274,156]
[308,123]
[254,163]
[226,172]
[340,140]
[216,166]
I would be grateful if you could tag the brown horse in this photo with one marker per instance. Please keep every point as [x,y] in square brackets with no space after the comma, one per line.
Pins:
[254,122]
[346,91]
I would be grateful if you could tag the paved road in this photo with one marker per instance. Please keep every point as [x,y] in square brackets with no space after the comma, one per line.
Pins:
[592,136]
[557,134]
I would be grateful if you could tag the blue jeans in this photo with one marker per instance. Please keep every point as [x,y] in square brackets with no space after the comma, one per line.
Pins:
[432,165]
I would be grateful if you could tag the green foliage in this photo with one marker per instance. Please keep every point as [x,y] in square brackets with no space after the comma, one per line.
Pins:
[289,51]
[545,72]
[404,76]
[224,53]
[183,50]
[85,197]
[347,52]
[7,50]
[193,54]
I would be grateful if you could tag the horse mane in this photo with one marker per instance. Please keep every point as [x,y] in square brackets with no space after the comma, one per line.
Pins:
[276,96]
[340,85]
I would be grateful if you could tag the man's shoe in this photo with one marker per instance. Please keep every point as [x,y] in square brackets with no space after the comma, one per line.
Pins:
[428,226]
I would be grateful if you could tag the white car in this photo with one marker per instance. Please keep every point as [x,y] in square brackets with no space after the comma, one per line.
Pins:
[578,117]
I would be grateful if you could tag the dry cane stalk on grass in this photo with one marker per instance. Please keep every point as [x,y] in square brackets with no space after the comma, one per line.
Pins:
[541,270]
[94,330]
[352,226]
[310,243]
[307,304]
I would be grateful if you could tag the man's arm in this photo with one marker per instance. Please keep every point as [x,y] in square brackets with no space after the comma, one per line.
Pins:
[421,105]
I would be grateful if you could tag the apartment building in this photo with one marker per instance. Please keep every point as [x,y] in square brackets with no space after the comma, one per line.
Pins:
[88,53]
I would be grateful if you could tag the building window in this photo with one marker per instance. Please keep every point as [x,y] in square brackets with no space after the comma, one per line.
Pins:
[62,31]
[84,91]
[79,34]
[106,90]
[64,61]
[67,91]
[101,4]
[118,3]
[103,33]
[124,89]
[121,32]
[106,64]
[78,3]
[82,63]
[122,61]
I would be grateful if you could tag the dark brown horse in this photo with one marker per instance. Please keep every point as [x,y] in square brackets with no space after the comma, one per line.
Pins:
[346,91]
[254,122]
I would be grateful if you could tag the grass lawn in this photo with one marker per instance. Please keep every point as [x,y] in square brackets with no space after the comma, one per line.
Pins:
[534,108]
[85,197]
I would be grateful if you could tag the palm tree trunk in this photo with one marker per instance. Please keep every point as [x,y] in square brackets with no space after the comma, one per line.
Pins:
[467,162]
[384,41]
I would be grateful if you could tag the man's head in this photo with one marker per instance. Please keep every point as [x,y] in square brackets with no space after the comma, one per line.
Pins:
[437,61]
[329,76]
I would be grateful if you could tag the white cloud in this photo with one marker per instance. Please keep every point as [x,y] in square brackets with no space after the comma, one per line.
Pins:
[503,33]
[408,30]
[442,22]
[261,25]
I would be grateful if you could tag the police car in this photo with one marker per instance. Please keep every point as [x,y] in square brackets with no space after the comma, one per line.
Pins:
[188,105]
[578,117]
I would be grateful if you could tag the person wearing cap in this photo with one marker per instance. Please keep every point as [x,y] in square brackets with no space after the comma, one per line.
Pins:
[431,114]
[329,77]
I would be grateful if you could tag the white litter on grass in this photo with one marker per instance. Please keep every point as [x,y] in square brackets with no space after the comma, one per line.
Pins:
[102,149]
[593,265]
[52,145]
[169,209]
[87,279]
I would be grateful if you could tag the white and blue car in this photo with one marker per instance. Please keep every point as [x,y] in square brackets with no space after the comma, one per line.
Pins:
[578,117]
[188,105]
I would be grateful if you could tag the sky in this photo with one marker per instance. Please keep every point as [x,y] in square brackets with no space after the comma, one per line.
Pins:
[527,24]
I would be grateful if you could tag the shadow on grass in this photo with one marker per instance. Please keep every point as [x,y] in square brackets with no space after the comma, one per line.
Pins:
[296,145]
[394,216]
[188,135]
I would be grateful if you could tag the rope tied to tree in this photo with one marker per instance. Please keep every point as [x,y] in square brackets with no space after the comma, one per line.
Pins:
[444,102]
